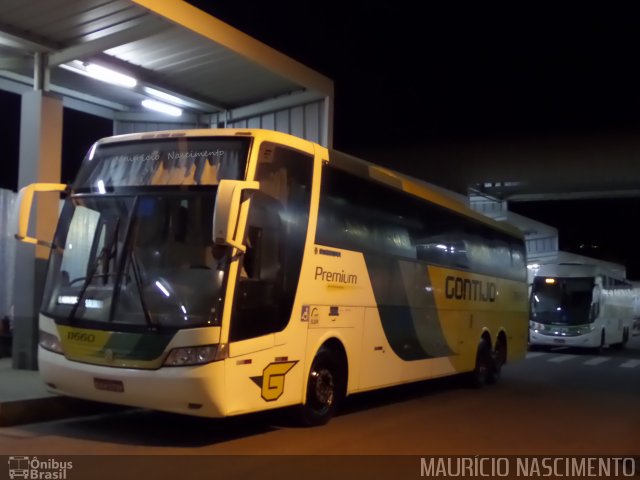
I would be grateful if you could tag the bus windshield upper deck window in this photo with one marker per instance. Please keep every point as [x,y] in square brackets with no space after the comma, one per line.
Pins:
[164,162]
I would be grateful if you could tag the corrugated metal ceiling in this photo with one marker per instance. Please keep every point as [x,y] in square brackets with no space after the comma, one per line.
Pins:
[161,47]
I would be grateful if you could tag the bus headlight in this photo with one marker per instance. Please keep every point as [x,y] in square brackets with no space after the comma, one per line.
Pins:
[50,342]
[185,356]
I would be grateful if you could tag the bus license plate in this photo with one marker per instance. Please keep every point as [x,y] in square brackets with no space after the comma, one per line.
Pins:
[558,340]
[108,385]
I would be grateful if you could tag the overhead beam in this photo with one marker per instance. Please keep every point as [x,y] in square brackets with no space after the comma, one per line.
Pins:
[16,63]
[13,86]
[82,105]
[87,107]
[207,26]
[23,79]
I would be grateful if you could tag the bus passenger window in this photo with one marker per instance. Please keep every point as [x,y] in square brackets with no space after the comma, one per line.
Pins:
[275,235]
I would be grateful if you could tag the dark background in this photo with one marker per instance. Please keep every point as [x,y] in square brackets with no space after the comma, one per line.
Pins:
[455,70]
[447,73]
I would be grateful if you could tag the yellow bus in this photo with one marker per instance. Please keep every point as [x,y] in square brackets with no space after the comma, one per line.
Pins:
[219,272]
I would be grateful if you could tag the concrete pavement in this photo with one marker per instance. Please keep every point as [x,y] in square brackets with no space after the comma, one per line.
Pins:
[24,399]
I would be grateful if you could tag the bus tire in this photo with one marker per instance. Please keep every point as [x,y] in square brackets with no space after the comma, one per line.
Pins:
[479,376]
[625,337]
[325,389]
[498,359]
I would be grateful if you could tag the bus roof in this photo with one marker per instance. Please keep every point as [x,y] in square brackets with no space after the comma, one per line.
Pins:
[343,161]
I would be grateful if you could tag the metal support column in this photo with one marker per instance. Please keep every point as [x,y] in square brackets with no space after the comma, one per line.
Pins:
[40,161]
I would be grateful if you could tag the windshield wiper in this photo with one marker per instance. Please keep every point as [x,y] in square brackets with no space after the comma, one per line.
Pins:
[137,276]
[106,254]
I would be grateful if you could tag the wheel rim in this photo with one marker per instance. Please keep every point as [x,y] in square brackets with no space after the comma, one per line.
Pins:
[323,388]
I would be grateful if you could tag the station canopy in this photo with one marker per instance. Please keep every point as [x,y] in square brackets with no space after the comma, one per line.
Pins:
[175,53]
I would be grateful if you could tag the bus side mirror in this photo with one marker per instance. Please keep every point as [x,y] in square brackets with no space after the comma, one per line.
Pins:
[24,203]
[227,210]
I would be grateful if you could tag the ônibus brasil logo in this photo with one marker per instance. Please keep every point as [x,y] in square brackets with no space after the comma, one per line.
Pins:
[33,468]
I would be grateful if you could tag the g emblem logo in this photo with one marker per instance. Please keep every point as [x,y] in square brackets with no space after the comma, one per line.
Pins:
[272,380]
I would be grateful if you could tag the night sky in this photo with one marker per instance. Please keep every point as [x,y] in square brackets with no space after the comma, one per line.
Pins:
[449,73]
[455,70]
[471,72]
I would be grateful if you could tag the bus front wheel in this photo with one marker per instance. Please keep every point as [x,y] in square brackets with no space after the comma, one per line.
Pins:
[325,389]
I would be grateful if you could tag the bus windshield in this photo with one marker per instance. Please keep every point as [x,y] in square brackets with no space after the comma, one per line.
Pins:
[136,249]
[166,161]
[561,301]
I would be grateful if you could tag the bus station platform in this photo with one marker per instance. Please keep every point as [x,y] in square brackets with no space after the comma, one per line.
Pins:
[25,399]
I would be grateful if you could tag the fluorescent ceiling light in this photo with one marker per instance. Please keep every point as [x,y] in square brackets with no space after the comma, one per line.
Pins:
[162,107]
[101,73]
[74,68]
[110,76]
[162,95]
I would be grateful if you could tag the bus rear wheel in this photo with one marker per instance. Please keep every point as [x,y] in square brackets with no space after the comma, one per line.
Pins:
[499,358]
[325,389]
[480,375]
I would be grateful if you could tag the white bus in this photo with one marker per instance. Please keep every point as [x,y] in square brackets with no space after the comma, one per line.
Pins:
[221,272]
[580,305]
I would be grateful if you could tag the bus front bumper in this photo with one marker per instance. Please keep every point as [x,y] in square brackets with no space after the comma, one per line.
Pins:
[195,390]
[587,340]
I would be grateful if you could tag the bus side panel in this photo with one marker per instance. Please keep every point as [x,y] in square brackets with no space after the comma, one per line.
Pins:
[334,291]
[380,365]
[616,314]
[349,337]
[516,329]
[469,304]
[416,325]
[263,378]
[270,371]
